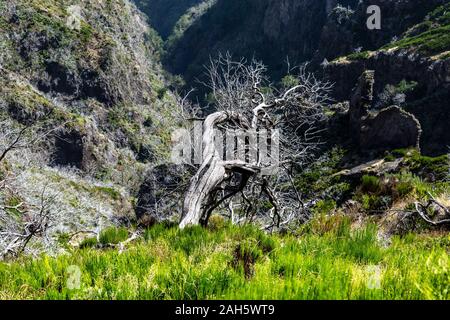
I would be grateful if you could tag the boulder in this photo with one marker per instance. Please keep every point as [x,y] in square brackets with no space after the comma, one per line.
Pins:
[392,128]
[376,167]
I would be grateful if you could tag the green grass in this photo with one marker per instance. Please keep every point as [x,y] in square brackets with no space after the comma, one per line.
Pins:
[422,165]
[371,184]
[435,37]
[359,55]
[327,260]
[113,235]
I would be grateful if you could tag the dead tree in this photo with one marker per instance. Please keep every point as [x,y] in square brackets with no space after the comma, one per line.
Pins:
[19,137]
[246,102]
[16,234]
[422,211]
[12,140]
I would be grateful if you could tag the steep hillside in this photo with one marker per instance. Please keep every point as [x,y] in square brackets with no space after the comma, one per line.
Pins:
[105,65]
[164,14]
[301,30]
[346,30]
[84,104]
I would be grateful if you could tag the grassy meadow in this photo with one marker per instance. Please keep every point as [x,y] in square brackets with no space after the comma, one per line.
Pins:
[329,258]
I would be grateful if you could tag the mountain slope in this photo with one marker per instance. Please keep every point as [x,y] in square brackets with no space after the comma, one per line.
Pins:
[164,14]
[107,67]
[83,89]
[322,31]
[269,30]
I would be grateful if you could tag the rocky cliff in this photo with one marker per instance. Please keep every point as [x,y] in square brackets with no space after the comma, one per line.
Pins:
[412,70]
[409,54]
[270,30]
[83,92]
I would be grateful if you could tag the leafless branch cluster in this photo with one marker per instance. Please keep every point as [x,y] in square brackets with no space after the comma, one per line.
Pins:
[12,139]
[15,137]
[23,222]
[423,209]
[246,101]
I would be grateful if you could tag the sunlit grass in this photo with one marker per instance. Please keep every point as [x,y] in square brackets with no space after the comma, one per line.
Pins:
[327,260]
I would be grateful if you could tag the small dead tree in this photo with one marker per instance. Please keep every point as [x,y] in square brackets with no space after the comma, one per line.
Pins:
[16,234]
[21,223]
[20,137]
[11,139]
[248,105]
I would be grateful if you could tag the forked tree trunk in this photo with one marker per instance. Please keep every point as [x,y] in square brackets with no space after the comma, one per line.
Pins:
[200,197]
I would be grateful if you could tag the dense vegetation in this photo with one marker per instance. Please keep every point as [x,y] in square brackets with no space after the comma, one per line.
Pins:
[370,251]
[430,37]
[329,258]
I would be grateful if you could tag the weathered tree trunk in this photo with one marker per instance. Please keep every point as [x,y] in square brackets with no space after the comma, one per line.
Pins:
[210,175]
[200,197]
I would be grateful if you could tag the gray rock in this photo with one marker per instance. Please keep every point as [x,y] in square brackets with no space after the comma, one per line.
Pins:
[376,167]
[361,101]
[392,128]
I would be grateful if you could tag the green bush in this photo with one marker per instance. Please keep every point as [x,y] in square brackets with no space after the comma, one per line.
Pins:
[373,202]
[289,81]
[371,184]
[405,86]
[404,188]
[325,206]
[246,254]
[88,243]
[113,235]
[216,222]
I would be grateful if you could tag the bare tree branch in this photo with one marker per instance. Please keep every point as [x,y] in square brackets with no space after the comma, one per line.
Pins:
[245,102]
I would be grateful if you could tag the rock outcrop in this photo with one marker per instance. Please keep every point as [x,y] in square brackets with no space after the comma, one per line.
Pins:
[360,102]
[376,167]
[391,128]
